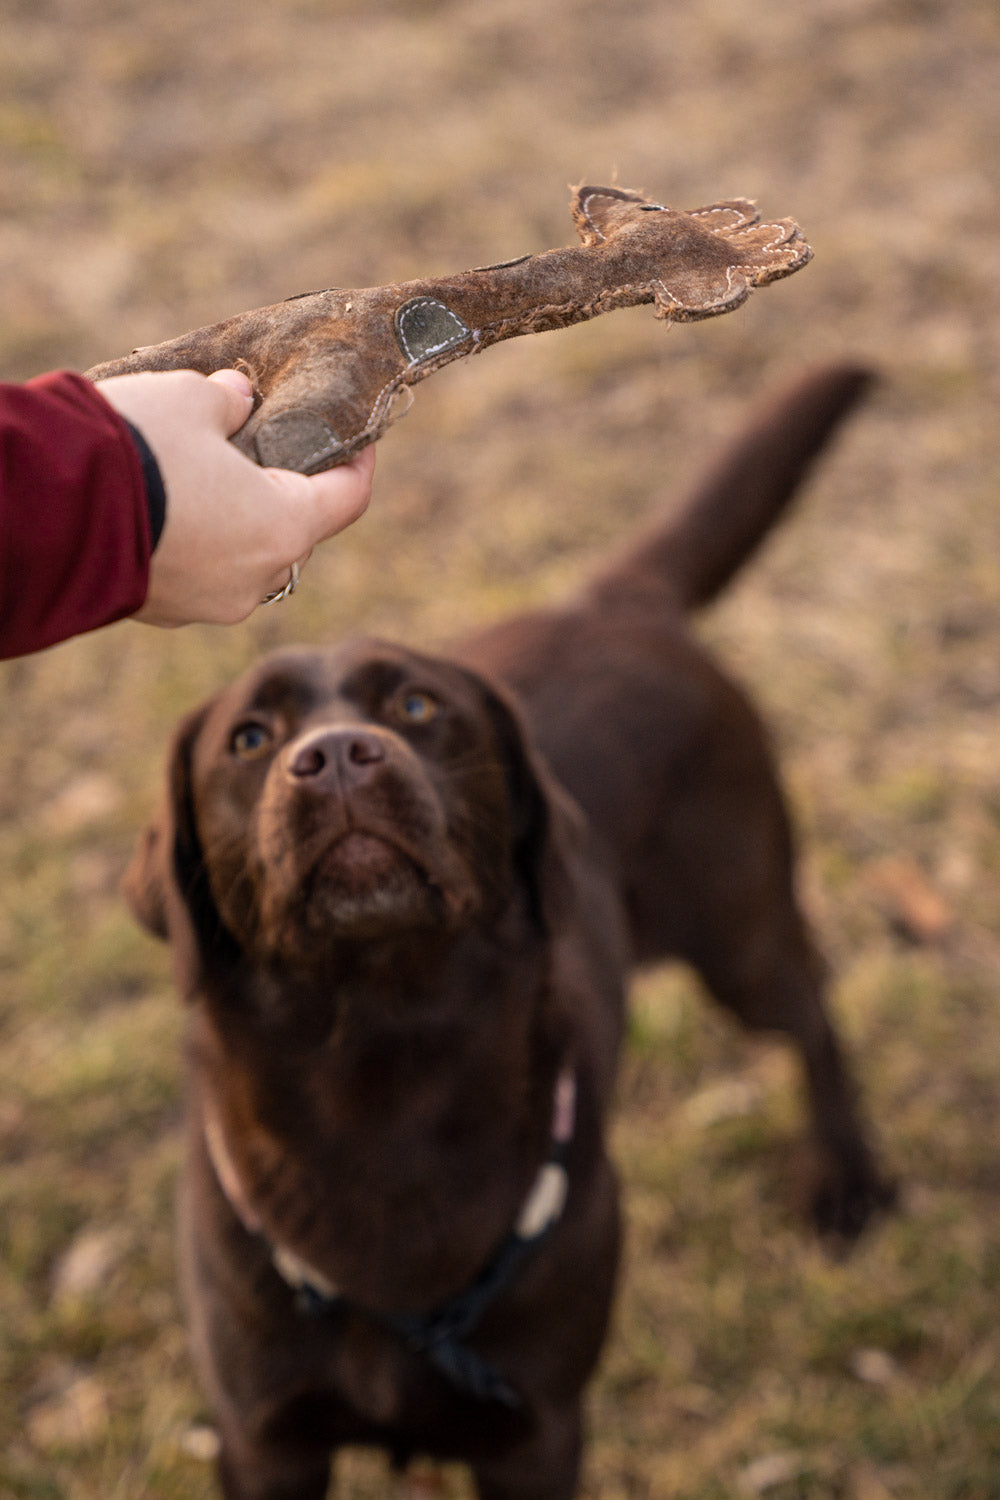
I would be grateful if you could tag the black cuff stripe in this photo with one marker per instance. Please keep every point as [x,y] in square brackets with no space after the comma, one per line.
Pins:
[156,495]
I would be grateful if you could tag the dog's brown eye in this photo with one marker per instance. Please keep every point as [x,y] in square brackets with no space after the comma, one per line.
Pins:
[418,708]
[250,741]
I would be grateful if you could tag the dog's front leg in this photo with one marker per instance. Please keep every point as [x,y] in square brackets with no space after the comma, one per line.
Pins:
[250,1470]
[545,1466]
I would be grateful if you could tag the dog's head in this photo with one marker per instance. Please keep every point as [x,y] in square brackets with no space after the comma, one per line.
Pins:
[347,796]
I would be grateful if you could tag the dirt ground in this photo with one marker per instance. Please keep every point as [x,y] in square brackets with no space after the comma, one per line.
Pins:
[162,166]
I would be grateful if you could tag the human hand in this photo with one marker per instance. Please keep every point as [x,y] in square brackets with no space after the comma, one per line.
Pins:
[232,529]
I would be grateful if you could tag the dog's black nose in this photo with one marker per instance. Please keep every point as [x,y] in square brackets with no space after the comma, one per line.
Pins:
[327,750]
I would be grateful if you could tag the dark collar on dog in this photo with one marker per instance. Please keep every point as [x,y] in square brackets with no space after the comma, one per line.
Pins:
[441,1335]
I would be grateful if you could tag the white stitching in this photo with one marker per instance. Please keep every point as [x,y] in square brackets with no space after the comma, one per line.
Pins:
[586,212]
[776,244]
[742,220]
[778,239]
[323,452]
[668,294]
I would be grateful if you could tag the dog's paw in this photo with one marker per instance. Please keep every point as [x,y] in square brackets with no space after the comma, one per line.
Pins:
[420,1482]
[847,1196]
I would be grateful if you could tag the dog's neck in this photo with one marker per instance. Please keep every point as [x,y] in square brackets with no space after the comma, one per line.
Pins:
[292,999]
[541,1208]
[367,1041]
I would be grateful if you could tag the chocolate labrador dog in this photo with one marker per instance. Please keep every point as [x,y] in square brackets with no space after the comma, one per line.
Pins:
[404,894]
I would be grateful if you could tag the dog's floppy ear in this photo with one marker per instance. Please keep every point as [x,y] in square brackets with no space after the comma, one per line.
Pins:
[143,884]
[166,884]
[548,825]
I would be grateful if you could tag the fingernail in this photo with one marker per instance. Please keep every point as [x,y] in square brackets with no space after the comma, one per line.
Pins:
[236,379]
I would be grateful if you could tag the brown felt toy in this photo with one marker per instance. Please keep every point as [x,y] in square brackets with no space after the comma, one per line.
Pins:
[329,368]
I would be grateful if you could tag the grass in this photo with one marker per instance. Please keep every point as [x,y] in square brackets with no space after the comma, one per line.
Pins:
[159,170]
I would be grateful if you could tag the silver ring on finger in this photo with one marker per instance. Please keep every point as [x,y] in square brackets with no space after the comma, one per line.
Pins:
[289,588]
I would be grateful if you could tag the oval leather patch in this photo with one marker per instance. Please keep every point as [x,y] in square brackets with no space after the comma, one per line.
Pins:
[425,327]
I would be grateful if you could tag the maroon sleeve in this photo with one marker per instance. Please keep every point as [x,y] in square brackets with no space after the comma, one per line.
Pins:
[74,523]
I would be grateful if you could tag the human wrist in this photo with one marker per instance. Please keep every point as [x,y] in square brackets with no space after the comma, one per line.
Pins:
[156,492]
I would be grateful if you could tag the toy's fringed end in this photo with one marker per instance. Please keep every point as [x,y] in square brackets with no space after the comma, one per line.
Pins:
[698,263]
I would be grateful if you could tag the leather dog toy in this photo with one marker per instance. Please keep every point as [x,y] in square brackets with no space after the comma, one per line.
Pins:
[329,368]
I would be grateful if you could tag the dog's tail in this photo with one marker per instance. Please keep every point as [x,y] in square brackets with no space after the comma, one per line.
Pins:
[693,555]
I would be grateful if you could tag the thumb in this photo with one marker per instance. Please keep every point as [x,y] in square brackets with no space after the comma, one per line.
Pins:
[237,395]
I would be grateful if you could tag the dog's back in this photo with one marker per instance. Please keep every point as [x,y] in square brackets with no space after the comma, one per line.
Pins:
[665,755]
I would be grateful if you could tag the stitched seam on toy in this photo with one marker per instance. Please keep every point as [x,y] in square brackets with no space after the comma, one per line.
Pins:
[586,211]
[743,221]
[668,294]
[396,380]
[584,309]
[705,301]
[323,452]
[777,245]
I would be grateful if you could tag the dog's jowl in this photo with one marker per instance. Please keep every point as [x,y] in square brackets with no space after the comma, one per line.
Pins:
[404,894]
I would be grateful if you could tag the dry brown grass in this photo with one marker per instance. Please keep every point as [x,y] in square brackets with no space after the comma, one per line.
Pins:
[163,166]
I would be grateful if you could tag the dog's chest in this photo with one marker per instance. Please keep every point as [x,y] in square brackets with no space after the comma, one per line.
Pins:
[394,1205]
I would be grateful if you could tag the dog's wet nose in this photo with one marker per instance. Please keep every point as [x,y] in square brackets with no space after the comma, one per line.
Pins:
[326,751]
[363,749]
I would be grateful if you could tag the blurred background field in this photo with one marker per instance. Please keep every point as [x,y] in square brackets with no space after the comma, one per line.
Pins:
[162,166]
